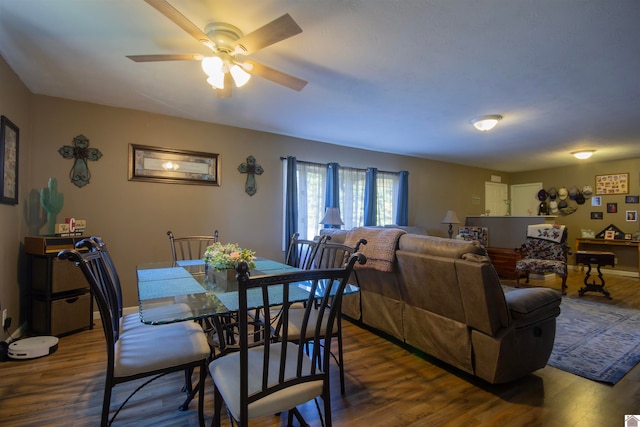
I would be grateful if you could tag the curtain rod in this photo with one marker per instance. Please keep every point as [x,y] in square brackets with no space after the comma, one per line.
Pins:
[324,164]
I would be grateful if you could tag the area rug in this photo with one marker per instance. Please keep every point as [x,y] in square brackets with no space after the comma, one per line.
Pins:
[596,341]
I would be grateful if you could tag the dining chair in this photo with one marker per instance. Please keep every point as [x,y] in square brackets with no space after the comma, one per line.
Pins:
[278,375]
[327,255]
[139,352]
[302,252]
[190,247]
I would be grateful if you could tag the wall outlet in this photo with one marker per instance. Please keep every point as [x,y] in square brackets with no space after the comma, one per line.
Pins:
[4,317]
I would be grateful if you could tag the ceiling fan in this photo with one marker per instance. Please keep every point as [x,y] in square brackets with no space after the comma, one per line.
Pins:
[227,43]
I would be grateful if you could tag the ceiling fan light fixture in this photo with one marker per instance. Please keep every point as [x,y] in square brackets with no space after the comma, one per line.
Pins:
[240,76]
[486,123]
[583,154]
[212,65]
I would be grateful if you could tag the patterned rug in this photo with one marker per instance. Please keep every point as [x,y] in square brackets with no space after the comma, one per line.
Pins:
[596,341]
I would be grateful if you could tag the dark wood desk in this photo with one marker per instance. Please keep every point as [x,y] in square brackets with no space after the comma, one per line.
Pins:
[609,245]
[600,259]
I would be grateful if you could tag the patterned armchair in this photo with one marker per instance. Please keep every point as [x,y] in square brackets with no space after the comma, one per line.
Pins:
[544,251]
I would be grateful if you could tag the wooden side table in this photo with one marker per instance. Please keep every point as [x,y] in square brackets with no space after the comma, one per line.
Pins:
[600,259]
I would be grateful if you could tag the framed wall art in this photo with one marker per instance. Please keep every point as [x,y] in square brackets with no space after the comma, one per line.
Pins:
[596,215]
[612,208]
[632,215]
[617,183]
[632,199]
[168,165]
[9,143]
[480,234]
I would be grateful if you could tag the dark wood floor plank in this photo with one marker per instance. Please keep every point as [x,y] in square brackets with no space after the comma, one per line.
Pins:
[387,385]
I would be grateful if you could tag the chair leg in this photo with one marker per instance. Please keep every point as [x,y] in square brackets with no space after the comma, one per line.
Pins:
[340,354]
[564,284]
[217,407]
[106,403]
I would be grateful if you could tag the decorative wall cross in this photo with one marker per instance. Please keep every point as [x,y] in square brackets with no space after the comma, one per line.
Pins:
[81,152]
[251,168]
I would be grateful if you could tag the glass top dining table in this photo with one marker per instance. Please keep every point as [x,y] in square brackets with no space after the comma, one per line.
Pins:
[171,292]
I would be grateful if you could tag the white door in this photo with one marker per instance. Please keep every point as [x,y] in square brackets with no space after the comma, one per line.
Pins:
[495,195]
[524,199]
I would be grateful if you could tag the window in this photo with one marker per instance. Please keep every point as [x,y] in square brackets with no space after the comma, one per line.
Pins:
[312,180]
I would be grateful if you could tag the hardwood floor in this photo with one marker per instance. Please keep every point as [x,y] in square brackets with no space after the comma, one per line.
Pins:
[386,386]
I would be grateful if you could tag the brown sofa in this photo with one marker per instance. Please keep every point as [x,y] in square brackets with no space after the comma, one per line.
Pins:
[443,297]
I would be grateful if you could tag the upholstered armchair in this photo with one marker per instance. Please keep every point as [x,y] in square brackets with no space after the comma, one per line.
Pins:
[545,250]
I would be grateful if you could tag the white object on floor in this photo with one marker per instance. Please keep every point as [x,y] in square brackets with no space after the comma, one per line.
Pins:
[31,348]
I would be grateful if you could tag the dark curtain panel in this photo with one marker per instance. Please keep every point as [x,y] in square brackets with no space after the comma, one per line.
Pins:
[332,193]
[370,197]
[291,214]
[402,213]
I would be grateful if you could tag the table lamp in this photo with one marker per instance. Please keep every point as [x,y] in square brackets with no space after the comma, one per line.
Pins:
[332,218]
[451,218]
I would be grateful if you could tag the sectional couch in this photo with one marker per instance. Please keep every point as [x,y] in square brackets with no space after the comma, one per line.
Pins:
[444,297]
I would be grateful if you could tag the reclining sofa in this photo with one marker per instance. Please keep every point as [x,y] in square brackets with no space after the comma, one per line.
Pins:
[444,298]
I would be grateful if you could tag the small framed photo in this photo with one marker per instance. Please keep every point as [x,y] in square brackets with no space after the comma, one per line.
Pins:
[9,138]
[173,166]
[632,216]
[627,236]
[631,199]
[596,215]
[612,208]
[609,235]
[596,201]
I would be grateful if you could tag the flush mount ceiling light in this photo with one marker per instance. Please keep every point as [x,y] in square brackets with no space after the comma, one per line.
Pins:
[486,123]
[583,154]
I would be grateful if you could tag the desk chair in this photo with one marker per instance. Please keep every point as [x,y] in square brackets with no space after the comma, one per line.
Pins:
[138,354]
[277,375]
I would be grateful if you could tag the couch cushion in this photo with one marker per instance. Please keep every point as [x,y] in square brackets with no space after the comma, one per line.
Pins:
[439,246]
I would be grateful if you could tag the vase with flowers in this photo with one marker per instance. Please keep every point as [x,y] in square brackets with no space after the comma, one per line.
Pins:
[221,259]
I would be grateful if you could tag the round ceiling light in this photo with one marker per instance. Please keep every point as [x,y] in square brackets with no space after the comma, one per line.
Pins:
[583,154]
[486,123]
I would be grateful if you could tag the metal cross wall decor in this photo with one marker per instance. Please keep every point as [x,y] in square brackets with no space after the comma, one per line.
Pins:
[251,168]
[81,152]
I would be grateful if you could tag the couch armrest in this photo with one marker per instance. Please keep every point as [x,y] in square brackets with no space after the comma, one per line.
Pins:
[532,305]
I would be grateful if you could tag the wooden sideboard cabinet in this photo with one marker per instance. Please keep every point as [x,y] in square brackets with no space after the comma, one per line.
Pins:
[504,261]
[60,301]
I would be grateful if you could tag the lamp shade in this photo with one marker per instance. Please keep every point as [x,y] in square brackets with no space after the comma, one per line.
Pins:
[332,217]
[451,218]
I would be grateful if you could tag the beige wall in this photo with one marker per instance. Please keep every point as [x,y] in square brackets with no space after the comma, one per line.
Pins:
[584,174]
[15,104]
[133,217]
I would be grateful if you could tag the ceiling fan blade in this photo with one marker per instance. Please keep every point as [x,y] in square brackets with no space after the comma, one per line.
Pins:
[179,19]
[276,76]
[226,92]
[273,32]
[177,57]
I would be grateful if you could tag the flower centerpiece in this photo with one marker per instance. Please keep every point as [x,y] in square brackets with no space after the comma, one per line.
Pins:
[224,257]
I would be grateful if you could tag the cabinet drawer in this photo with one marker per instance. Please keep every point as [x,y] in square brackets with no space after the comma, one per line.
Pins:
[61,316]
[52,275]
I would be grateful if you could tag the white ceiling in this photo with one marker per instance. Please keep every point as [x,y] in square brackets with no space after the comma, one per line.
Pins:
[397,76]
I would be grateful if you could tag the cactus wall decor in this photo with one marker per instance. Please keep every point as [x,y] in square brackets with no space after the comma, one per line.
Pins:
[81,152]
[52,202]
